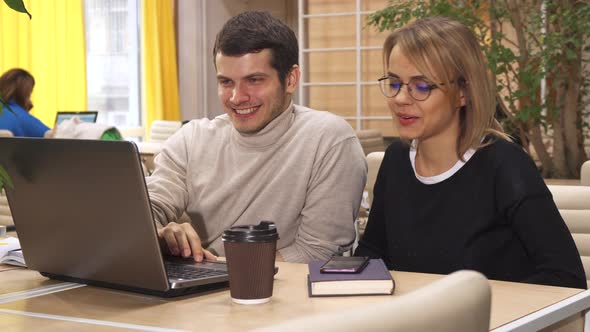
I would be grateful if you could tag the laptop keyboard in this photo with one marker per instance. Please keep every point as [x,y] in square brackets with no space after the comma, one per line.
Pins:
[188,272]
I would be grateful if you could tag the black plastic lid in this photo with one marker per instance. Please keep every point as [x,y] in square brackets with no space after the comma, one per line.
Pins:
[265,231]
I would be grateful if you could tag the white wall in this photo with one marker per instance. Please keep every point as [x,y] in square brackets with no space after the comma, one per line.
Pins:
[198,24]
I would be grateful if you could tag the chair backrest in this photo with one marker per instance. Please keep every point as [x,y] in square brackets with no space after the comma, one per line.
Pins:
[133,132]
[573,203]
[5,133]
[162,129]
[585,173]
[373,163]
[371,140]
[5,214]
[458,302]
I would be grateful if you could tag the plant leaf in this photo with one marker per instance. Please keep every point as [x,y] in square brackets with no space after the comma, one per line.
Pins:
[5,180]
[19,6]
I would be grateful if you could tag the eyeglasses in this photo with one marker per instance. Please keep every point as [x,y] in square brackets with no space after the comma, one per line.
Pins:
[418,88]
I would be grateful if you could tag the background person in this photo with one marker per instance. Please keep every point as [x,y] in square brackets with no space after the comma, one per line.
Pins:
[265,159]
[16,87]
[459,195]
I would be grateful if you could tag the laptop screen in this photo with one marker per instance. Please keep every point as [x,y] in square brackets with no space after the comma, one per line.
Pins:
[85,116]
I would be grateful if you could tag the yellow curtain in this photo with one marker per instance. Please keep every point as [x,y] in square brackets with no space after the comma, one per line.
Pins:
[159,73]
[51,47]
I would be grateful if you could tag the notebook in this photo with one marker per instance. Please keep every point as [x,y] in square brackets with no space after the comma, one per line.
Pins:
[374,279]
[82,214]
[85,116]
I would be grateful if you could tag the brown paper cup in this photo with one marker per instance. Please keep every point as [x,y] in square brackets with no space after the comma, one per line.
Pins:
[250,253]
[251,271]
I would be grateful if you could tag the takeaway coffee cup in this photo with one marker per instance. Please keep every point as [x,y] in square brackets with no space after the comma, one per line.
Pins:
[250,252]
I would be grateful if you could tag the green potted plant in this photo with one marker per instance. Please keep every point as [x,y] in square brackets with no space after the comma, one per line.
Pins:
[18,6]
[537,51]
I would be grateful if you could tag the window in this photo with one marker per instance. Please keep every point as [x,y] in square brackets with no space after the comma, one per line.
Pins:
[112,61]
[341,62]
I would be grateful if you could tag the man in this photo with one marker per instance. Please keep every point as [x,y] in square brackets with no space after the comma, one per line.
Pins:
[265,159]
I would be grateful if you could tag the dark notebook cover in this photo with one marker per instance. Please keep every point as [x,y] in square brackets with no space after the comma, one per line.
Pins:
[375,270]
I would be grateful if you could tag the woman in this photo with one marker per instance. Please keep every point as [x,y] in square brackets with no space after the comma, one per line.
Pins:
[455,193]
[16,86]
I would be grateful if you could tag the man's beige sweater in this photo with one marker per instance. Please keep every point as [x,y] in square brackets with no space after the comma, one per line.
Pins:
[305,171]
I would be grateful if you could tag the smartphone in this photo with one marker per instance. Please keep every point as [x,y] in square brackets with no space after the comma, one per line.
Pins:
[341,264]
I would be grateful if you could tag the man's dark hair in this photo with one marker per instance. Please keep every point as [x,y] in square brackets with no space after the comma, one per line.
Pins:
[253,31]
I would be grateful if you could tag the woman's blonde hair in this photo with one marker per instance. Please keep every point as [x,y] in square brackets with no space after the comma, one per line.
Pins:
[446,50]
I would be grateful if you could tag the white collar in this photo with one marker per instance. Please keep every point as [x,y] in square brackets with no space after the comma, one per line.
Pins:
[439,177]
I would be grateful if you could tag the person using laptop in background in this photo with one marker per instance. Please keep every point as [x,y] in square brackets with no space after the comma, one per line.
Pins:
[456,193]
[16,87]
[82,125]
[265,159]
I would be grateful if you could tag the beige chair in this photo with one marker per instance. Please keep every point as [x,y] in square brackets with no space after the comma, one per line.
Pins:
[585,173]
[148,152]
[159,133]
[5,133]
[371,140]
[458,302]
[373,163]
[132,132]
[5,214]
[162,129]
[573,203]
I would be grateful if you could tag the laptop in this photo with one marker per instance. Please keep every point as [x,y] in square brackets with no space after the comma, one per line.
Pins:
[82,212]
[85,116]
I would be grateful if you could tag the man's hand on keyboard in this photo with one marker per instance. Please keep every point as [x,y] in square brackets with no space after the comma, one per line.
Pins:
[183,240]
